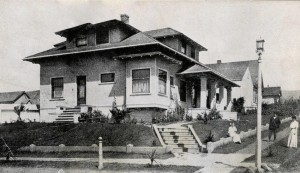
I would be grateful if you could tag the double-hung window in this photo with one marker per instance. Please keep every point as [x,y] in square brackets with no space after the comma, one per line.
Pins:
[171,87]
[141,81]
[162,75]
[57,85]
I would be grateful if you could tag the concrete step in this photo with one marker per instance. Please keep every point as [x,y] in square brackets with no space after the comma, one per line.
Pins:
[71,111]
[63,121]
[189,150]
[184,145]
[65,115]
[166,138]
[175,133]
[177,136]
[171,142]
[173,130]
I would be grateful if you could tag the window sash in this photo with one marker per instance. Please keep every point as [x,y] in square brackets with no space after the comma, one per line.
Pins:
[81,41]
[107,77]
[162,75]
[102,36]
[57,87]
[141,81]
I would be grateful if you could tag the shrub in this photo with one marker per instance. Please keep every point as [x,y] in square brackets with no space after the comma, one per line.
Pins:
[118,115]
[95,116]
[238,104]
[18,109]
[189,118]
[203,117]
[214,114]
[210,137]
[152,156]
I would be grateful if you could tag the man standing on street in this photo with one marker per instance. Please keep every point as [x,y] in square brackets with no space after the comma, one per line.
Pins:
[273,126]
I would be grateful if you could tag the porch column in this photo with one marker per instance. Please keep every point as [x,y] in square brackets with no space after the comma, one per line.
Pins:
[203,92]
[189,94]
[221,97]
[213,86]
[228,98]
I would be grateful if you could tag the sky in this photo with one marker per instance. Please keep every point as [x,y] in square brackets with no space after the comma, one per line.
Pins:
[228,30]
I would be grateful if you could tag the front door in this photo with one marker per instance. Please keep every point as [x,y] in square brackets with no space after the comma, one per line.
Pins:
[81,90]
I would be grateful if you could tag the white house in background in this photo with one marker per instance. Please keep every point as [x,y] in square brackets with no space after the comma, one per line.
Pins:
[8,100]
[245,74]
[271,95]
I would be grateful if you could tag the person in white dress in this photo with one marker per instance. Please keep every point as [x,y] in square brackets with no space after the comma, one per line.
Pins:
[293,139]
[232,132]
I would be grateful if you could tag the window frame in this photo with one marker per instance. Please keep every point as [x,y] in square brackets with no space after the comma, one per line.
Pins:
[81,38]
[180,94]
[166,82]
[52,87]
[108,35]
[183,45]
[142,68]
[193,52]
[100,77]
[172,86]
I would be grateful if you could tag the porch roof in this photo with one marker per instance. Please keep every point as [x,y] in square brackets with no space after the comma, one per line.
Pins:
[197,69]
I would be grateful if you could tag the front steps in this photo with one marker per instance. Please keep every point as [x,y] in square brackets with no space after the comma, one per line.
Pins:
[67,116]
[180,139]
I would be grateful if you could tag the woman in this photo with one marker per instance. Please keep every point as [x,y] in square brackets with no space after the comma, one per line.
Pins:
[232,133]
[293,140]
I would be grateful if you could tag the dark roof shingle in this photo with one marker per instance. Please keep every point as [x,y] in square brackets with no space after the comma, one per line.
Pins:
[10,97]
[272,91]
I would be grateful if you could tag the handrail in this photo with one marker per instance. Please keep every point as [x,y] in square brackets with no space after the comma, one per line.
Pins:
[158,135]
[196,136]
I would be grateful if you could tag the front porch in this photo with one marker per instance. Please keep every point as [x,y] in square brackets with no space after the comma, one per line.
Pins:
[206,91]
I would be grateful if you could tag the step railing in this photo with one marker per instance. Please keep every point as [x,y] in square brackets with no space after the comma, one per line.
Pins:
[158,135]
[190,127]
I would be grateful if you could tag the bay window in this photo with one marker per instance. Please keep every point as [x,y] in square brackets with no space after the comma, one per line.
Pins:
[141,81]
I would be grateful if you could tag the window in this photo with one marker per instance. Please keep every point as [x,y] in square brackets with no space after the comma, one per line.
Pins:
[171,87]
[81,41]
[183,47]
[102,36]
[141,81]
[183,91]
[162,75]
[193,52]
[107,77]
[57,85]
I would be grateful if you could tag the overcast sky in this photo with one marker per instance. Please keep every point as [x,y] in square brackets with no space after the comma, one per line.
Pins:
[228,30]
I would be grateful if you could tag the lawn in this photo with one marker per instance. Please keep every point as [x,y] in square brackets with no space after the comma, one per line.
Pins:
[288,158]
[91,166]
[220,127]
[83,134]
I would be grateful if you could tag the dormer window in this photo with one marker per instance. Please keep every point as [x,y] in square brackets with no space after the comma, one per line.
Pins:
[81,41]
[183,47]
[102,36]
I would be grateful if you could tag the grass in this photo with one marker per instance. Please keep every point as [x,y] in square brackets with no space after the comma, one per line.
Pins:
[83,134]
[107,166]
[220,127]
[111,155]
[288,158]
[232,147]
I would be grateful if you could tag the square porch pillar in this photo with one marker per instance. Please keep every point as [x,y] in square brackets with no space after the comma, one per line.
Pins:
[213,98]
[228,104]
[203,92]
[222,101]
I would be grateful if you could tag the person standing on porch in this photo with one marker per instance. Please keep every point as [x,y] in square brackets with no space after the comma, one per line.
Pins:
[293,139]
[273,126]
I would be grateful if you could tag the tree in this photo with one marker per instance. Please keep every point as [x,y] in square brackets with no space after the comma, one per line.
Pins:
[18,109]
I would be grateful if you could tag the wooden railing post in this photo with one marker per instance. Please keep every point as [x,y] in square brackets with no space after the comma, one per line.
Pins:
[100,154]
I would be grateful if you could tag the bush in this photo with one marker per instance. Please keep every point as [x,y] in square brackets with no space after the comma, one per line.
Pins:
[95,116]
[204,117]
[210,137]
[214,114]
[189,118]
[118,115]
[238,104]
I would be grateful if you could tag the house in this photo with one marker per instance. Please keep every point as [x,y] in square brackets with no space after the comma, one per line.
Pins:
[146,72]
[245,74]
[271,95]
[8,100]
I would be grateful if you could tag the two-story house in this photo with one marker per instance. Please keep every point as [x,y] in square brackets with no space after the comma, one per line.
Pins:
[146,72]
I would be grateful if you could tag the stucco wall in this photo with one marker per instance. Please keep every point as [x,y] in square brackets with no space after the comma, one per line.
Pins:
[97,94]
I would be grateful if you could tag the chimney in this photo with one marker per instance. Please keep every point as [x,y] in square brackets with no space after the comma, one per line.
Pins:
[125,18]
[219,61]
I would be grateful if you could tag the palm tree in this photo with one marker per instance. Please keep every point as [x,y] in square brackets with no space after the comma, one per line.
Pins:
[18,109]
